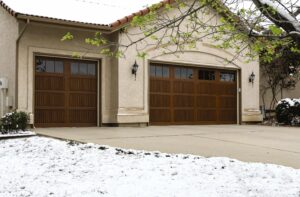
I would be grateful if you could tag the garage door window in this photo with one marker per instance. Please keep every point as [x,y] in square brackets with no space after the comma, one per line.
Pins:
[59,67]
[184,73]
[207,75]
[74,68]
[83,69]
[159,71]
[227,77]
[92,69]
[49,66]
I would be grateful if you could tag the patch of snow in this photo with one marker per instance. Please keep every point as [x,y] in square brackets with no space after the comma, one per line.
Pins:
[282,12]
[237,5]
[46,167]
[17,134]
[7,115]
[291,102]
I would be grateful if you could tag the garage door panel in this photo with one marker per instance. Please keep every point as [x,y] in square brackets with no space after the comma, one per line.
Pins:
[44,116]
[184,115]
[157,100]
[206,88]
[161,86]
[228,115]
[44,82]
[83,100]
[49,99]
[206,115]
[206,101]
[228,102]
[83,116]
[183,101]
[160,115]
[197,96]
[83,84]
[227,89]
[183,87]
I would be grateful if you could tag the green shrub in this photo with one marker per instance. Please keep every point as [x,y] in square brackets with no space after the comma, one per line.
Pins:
[22,120]
[14,122]
[283,112]
[288,111]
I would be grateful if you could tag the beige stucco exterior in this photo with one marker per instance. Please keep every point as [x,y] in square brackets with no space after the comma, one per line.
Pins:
[133,95]
[8,37]
[41,39]
[266,95]
[291,93]
[122,98]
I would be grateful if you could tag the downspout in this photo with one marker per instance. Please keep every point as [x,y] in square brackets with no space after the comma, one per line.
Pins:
[17,63]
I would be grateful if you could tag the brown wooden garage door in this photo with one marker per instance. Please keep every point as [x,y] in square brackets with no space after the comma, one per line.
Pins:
[187,95]
[65,92]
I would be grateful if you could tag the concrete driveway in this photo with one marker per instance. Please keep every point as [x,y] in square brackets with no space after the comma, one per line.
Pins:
[278,145]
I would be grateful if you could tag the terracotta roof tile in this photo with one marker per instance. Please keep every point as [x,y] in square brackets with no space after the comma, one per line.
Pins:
[145,11]
[20,7]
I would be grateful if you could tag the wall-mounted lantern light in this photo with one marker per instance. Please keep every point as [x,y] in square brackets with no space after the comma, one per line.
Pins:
[252,78]
[135,69]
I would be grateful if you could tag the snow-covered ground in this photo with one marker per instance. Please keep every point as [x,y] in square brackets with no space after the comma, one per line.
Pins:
[17,134]
[41,167]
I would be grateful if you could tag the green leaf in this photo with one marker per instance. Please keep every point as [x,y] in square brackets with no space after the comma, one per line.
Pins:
[76,55]
[142,55]
[275,30]
[68,36]
[295,50]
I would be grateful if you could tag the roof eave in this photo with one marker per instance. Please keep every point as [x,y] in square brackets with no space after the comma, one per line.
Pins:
[63,22]
[110,28]
[127,19]
[8,9]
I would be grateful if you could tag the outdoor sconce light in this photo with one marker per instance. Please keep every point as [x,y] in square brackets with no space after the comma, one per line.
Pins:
[251,78]
[135,69]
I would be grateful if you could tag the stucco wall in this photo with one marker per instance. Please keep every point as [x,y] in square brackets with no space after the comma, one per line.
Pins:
[8,37]
[124,98]
[133,94]
[46,39]
[266,95]
[292,93]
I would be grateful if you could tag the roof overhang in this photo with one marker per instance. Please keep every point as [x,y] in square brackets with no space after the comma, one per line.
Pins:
[109,28]
[54,21]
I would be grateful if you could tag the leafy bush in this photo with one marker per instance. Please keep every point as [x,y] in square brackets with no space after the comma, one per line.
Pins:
[283,112]
[14,122]
[22,119]
[288,111]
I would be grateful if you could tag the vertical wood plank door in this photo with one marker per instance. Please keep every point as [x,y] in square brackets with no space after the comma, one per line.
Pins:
[181,95]
[65,92]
